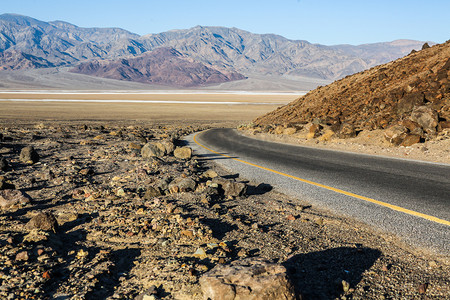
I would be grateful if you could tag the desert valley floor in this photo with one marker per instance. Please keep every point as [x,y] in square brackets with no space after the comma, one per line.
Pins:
[95,218]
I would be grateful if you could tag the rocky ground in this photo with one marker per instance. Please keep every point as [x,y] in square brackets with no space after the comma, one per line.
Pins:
[123,211]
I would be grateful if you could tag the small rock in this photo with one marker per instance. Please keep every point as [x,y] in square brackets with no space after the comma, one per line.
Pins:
[200,253]
[290,131]
[249,279]
[29,155]
[45,221]
[345,286]
[134,146]
[22,256]
[423,288]
[209,174]
[10,198]
[314,131]
[151,193]
[291,218]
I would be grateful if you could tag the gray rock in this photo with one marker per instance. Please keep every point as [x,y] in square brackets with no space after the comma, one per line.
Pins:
[153,149]
[231,187]
[163,184]
[182,185]
[10,198]
[426,117]
[29,155]
[248,279]
[168,146]
[183,153]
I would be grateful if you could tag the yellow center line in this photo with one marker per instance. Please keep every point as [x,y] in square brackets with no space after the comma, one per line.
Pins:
[391,206]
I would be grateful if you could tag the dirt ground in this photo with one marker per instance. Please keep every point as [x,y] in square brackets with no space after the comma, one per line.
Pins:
[116,238]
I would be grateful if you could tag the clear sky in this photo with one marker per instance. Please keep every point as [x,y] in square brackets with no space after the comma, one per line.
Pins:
[326,22]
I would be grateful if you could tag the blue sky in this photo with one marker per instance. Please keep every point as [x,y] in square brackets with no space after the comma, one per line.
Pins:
[318,21]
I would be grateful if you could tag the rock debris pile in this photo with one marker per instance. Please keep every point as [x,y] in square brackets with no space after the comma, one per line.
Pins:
[409,99]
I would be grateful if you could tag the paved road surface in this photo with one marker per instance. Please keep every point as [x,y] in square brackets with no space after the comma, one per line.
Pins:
[404,197]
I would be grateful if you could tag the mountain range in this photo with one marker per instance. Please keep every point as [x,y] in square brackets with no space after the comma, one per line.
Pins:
[225,54]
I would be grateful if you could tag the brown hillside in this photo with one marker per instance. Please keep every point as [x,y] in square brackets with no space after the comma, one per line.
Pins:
[410,96]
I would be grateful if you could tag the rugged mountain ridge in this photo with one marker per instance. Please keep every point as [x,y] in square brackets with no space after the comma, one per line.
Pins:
[63,44]
[409,98]
[161,66]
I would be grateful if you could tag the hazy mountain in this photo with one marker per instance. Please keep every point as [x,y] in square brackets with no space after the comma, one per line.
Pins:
[161,66]
[38,44]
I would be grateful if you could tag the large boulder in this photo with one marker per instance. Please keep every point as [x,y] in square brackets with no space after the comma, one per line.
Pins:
[249,279]
[426,117]
[169,146]
[29,155]
[231,187]
[183,153]
[182,185]
[153,149]
[395,134]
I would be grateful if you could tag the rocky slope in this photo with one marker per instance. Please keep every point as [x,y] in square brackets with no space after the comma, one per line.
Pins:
[161,66]
[408,98]
[16,60]
[64,44]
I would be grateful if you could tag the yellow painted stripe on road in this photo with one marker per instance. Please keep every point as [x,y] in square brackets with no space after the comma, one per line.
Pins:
[391,206]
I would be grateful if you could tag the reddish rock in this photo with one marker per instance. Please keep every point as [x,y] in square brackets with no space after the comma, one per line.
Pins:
[410,140]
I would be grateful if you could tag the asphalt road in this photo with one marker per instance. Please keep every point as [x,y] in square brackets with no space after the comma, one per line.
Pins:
[408,198]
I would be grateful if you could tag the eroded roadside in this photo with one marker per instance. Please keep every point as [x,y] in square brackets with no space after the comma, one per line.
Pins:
[367,142]
[130,224]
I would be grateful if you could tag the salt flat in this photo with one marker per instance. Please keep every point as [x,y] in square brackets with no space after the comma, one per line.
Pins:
[166,106]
